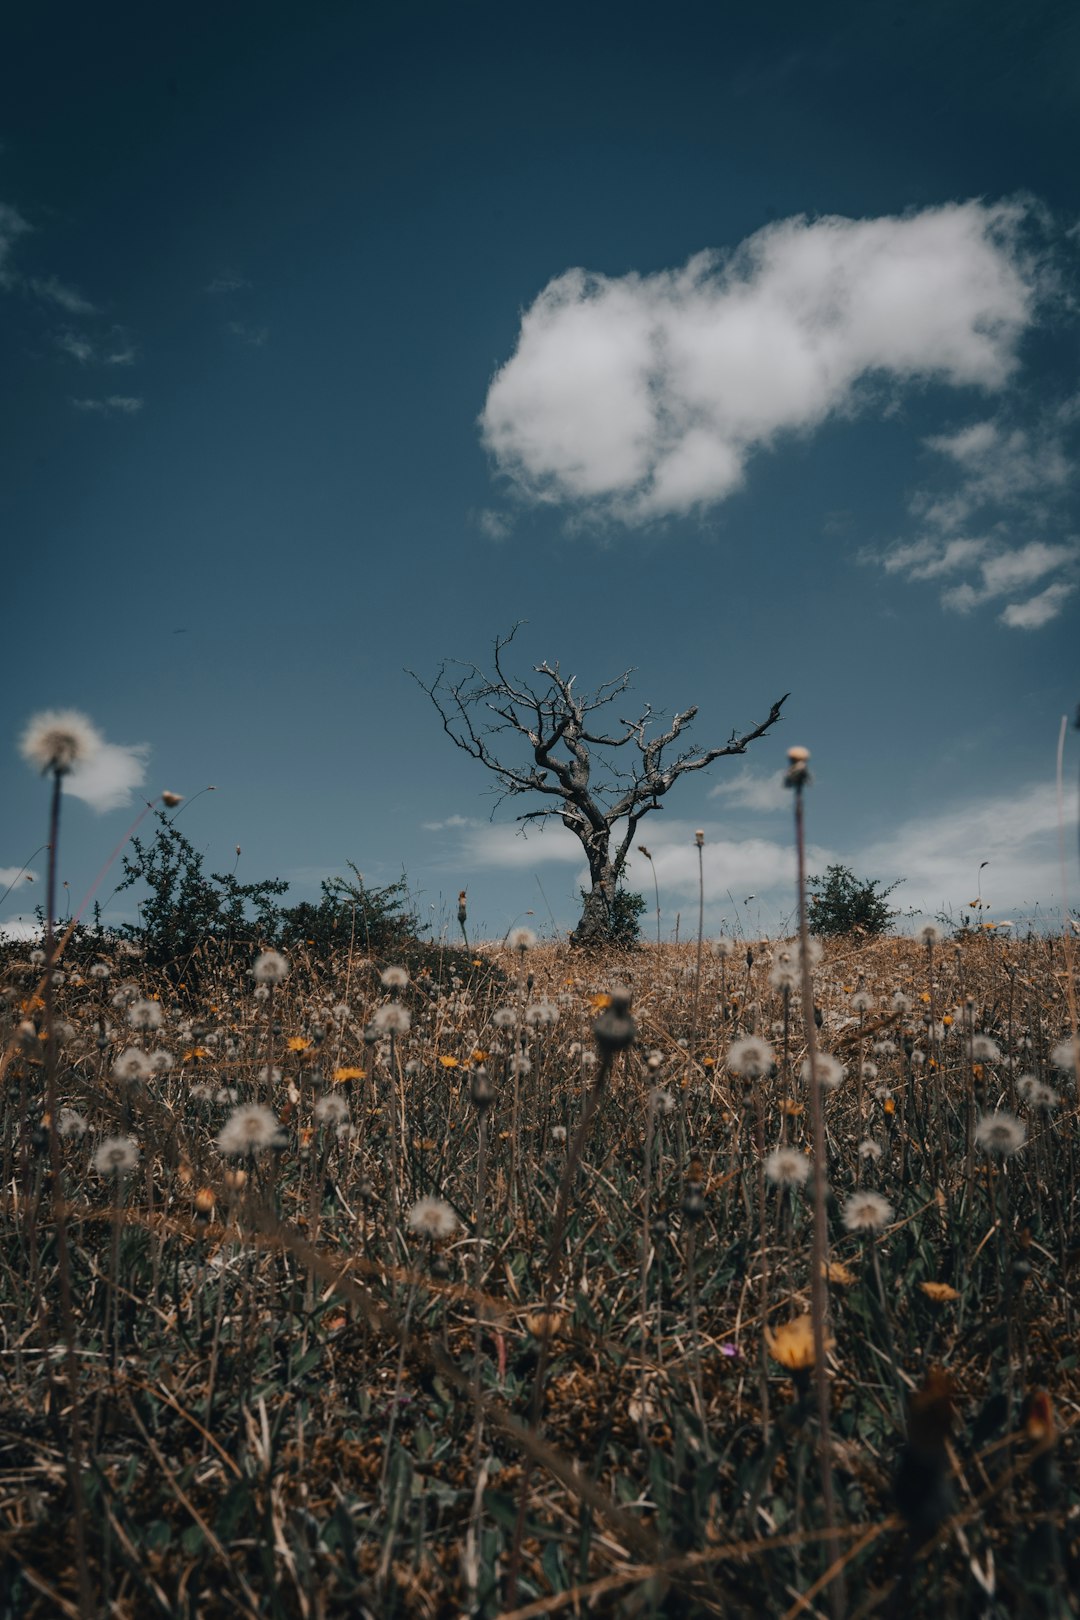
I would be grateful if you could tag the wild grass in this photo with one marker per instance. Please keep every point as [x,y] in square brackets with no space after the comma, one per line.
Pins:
[508,1317]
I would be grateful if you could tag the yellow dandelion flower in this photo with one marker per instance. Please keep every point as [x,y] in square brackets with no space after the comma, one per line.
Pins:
[297,1043]
[837,1272]
[941,1293]
[792,1345]
[448,1062]
[348,1073]
[600,1002]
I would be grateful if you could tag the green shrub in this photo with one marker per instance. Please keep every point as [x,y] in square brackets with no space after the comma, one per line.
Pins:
[841,903]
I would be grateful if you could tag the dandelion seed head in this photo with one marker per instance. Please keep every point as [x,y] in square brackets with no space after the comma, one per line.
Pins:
[432,1218]
[393,978]
[1036,1093]
[522,939]
[830,1071]
[72,1123]
[331,1109]
[116,1156]
[862,1001]
[1000,1134]
[751,1057]
[930,934]
[867,1212]
[59,740]
[391,1020]
[270,968]
[542,1015]
[145,1015]
[248,1129]
[787,1167]
[985,1050]
[134,1064]
[870,1150]
[1066,1056]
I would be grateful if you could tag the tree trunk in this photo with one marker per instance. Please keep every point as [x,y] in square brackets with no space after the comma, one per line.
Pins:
[594,927]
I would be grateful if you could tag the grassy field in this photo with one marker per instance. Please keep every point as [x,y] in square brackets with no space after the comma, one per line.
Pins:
[491,1292]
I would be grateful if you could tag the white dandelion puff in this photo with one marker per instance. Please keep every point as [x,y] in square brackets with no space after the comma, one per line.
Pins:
[1066,1055]
[270,968]
[116,1156]
[145,1015]
[751,1057]
[1000,1134]
[59,740]
[134,1064]
[1036,1093]
[250,1129]
[862,1001]
[930,934]
[393,978]
[985,1050]
[870,1150]
[391,1020]
[522,939]
[830,1071]
[787,1167]
[542,1015]
[331,1109]
[867,1212]
[433,1218]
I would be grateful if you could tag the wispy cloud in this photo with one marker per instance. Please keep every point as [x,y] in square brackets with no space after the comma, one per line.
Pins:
[635,397]
[476,844]
[12,226]
[57,292]
[254,336]
[1008,482]
[113,405]
[747,791]
[110,777]
[76,346]
[227,282]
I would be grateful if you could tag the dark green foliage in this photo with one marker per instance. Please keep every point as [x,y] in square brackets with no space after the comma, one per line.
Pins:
[184,908]
[841,903]
[377,922]
[624,925]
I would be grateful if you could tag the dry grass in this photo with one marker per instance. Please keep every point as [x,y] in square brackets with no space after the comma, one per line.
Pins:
[295,1402]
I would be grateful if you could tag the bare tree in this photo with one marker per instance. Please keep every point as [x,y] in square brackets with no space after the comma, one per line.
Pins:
[486,713]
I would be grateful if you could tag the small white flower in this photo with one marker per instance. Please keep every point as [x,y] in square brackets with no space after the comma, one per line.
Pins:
[867,1212]
[270,968]
[432,1218]
[250,1129]
[116,1156]
[1001,1133]
[59,740]
[787,1167]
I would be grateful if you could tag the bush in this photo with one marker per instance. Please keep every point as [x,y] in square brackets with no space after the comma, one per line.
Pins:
[841,903]
[624,923]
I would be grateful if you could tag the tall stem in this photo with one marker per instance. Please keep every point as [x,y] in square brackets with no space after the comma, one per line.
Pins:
[819,1248]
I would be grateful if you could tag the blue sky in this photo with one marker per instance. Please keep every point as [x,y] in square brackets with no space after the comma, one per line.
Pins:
[740,349]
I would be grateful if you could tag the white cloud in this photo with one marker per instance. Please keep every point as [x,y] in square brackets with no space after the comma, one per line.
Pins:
[496,525]
[110,777]
[254,336]
[1008,571]
[505,845]
[640,396]
[20,927]
[749,792]
[10,876]
[1038,610]
[938,855]
[114,405]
